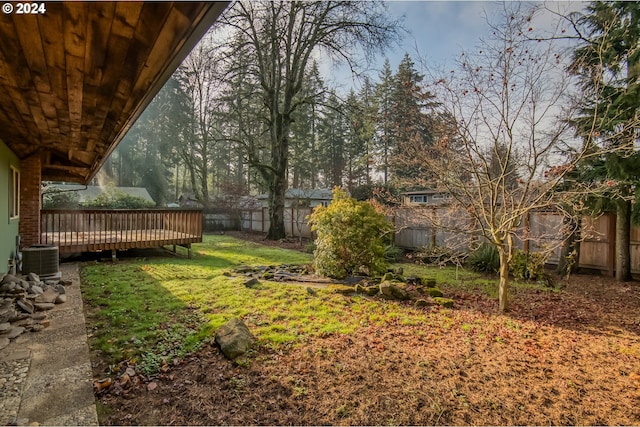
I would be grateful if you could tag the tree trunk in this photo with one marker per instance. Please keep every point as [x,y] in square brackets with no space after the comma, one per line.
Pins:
[277,189]
[623,237]
[503,291]
[570,252]
[278,181]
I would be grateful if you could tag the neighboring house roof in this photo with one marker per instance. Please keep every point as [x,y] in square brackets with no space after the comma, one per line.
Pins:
[90,192]
[312,194]
[76,77]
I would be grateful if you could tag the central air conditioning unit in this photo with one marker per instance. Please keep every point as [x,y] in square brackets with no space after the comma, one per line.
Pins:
[42,260]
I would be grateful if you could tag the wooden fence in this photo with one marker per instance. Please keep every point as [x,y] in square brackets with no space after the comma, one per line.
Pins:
[98,229]
[295,221]
[544,230]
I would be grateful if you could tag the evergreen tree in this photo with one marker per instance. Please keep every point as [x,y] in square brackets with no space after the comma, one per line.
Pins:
[608,63]
[412,126]
[366,125]
[357,150]
[385,136]
[243,130]
[304,157]
[332,134]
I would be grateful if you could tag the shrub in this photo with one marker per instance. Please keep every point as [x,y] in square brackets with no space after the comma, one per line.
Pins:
[392,252]
[112,198]
[528,266]
[60,199]
[351,237]
[485,259]
[310,247]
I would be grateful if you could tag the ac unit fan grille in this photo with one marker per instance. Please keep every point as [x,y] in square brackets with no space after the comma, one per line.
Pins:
[41,260]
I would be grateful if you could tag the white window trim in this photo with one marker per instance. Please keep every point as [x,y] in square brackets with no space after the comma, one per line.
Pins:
[418,198]
[14,193]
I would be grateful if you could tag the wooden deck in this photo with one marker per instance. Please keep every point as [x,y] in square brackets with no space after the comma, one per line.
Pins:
[98,230]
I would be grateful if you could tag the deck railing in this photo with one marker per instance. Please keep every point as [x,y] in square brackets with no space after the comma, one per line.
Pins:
[99,229]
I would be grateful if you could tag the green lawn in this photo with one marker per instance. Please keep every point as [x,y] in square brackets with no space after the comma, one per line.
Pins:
[156,309]
[356,360]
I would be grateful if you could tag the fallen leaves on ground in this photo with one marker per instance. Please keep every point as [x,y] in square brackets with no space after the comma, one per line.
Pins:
[565,357]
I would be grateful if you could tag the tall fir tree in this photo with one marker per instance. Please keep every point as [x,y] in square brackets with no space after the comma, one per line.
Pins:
[304,156]
[608,63]
[412,124]
[332,133]
[385,136]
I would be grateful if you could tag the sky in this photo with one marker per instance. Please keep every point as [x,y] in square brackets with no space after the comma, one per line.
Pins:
[439,30]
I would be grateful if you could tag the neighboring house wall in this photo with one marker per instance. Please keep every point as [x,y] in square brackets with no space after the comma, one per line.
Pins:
[295,197]
[424,198]
[9,167]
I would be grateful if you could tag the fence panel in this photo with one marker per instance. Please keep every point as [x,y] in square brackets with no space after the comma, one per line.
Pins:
[414,229]
[595,248]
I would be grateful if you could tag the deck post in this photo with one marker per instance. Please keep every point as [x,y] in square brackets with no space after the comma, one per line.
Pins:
[189,251]
[113,255]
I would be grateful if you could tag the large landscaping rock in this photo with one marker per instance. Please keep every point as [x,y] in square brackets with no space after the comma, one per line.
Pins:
[429,282]
[48,296]
[392,291]
[434,292]
[342,289]
[252,283]
[392,277]
[234,338]
[444,302]
[423,303]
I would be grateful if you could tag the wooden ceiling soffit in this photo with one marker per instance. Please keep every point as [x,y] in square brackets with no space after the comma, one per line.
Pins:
[74,79]
[147,86]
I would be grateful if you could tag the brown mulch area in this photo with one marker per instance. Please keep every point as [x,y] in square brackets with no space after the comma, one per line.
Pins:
[565,358]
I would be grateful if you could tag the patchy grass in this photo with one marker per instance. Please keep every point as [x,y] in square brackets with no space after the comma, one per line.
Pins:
[460,279]
[152,311]
[155,310]
[568,356]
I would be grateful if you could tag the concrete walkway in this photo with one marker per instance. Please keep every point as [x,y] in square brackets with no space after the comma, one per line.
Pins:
[48,377]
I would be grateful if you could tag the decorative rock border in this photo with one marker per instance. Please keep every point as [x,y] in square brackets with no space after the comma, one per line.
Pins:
[391,286]
[24,302]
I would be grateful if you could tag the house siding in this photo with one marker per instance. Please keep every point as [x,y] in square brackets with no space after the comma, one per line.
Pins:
[8,227]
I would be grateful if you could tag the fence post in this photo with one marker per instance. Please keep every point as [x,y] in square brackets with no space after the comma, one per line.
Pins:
[434,231]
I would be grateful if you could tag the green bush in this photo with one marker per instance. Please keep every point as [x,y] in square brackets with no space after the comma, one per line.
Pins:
[60,200]
[112,198]
[310,247]
[528,266]
[485,259]
[351,237]
[392,252]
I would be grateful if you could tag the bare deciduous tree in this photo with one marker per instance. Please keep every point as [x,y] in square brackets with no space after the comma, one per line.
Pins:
[198,80]
[510,103]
